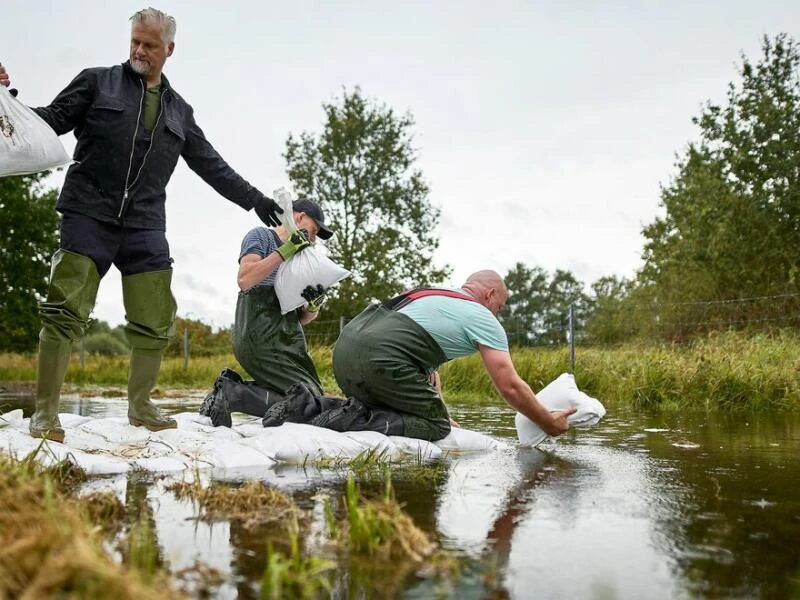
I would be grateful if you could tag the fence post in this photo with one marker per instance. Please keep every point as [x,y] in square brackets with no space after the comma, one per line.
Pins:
[83,348]
[571,339]
[342,322]
[185,349]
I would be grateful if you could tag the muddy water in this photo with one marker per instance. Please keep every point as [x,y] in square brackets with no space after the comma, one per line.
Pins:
[645,505]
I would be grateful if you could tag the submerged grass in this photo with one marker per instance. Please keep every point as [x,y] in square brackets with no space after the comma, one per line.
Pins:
[49,547]
[293,575]
[380,528]
[253,502]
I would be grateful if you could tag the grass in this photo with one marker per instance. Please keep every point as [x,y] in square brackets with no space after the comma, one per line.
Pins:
[730,371]
[380,528]
[253,502]
[49,546]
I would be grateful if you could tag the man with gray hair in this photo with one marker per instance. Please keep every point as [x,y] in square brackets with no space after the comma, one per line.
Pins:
[131,127]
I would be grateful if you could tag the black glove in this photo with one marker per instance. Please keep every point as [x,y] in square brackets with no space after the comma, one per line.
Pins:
[315,296]
[268,210]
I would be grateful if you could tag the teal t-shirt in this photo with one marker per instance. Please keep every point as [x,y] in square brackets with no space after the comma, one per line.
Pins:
[458,326]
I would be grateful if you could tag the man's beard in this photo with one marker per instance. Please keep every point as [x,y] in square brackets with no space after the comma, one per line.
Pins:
[141,67]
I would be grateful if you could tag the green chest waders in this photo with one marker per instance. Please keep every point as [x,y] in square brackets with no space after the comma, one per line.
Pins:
[270,346]
[384,359]
[71,295]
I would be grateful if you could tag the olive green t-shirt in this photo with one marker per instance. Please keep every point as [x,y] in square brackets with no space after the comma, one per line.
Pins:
[152,104]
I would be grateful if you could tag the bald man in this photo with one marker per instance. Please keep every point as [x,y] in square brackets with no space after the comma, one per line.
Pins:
[384,359]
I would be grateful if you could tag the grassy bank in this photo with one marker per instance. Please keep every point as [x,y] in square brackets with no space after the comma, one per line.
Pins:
[730,371]
[55,545]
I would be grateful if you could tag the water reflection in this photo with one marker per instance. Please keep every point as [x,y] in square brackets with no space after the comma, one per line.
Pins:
[656,505]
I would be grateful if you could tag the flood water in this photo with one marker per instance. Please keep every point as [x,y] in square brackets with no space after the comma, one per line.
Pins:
[645,505]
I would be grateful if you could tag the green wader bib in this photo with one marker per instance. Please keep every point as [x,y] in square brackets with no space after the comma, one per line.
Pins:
[270,346]
[383,358]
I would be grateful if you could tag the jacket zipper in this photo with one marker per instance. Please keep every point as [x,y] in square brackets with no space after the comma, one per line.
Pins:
[133,147]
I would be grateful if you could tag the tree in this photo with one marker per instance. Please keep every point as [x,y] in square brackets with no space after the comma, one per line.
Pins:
[537,311]
[527,299]
[732,224]
[361,170]
[613,317]
[203,340]
[28,239]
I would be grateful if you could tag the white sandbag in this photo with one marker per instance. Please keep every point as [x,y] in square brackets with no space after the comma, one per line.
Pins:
[297,442]
[466,440]
[422,449]
[27,143]
[380,444]
[108,445]
[559,394]
[12,418]
[309,267]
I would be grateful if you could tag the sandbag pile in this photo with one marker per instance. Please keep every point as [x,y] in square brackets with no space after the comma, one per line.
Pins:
[110,445]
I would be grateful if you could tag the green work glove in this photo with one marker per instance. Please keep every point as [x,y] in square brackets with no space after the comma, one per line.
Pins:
[296,242]
[315,296]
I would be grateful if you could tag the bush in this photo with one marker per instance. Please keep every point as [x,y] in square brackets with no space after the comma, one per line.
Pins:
[105,344]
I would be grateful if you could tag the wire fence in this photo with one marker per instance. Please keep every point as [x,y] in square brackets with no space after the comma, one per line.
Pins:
[654,322]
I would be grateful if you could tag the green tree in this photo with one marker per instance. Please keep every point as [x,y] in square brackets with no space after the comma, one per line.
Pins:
[527,300]
[537,311]
[613,317]
[203,340]
[361,169]
[732,223]
[28,239]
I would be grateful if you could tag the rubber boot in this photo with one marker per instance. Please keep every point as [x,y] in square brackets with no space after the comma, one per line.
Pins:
[51,368]
[299,406]
[245,397]
[341,417]
[145,365]
[352,415]
[64,314]
[382,421]
[150,313]
[208,401]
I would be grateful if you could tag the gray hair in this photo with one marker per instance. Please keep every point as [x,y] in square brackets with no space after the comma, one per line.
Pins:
[153,15]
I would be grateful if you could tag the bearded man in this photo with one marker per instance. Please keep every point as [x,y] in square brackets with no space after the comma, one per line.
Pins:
[131,127]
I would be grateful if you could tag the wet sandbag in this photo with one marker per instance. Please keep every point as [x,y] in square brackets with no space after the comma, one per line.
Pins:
[560,394]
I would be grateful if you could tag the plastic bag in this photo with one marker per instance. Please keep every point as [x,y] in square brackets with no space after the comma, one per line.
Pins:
[27,143]
[559,394]
[308,267]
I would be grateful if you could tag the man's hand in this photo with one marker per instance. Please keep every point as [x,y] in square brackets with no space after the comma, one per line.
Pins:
[267,210]
[559,424]
[4,78]
[296,242]
[316,296]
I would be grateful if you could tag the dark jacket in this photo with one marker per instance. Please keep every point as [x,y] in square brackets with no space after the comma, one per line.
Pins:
[121,170]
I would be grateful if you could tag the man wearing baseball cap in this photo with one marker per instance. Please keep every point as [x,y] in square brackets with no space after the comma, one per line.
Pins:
[269,345]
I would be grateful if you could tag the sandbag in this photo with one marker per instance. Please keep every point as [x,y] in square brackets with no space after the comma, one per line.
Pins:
[560,394]
[27,144]
[309,267]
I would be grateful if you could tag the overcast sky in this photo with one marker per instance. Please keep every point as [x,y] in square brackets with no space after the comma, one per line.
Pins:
[544,129]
